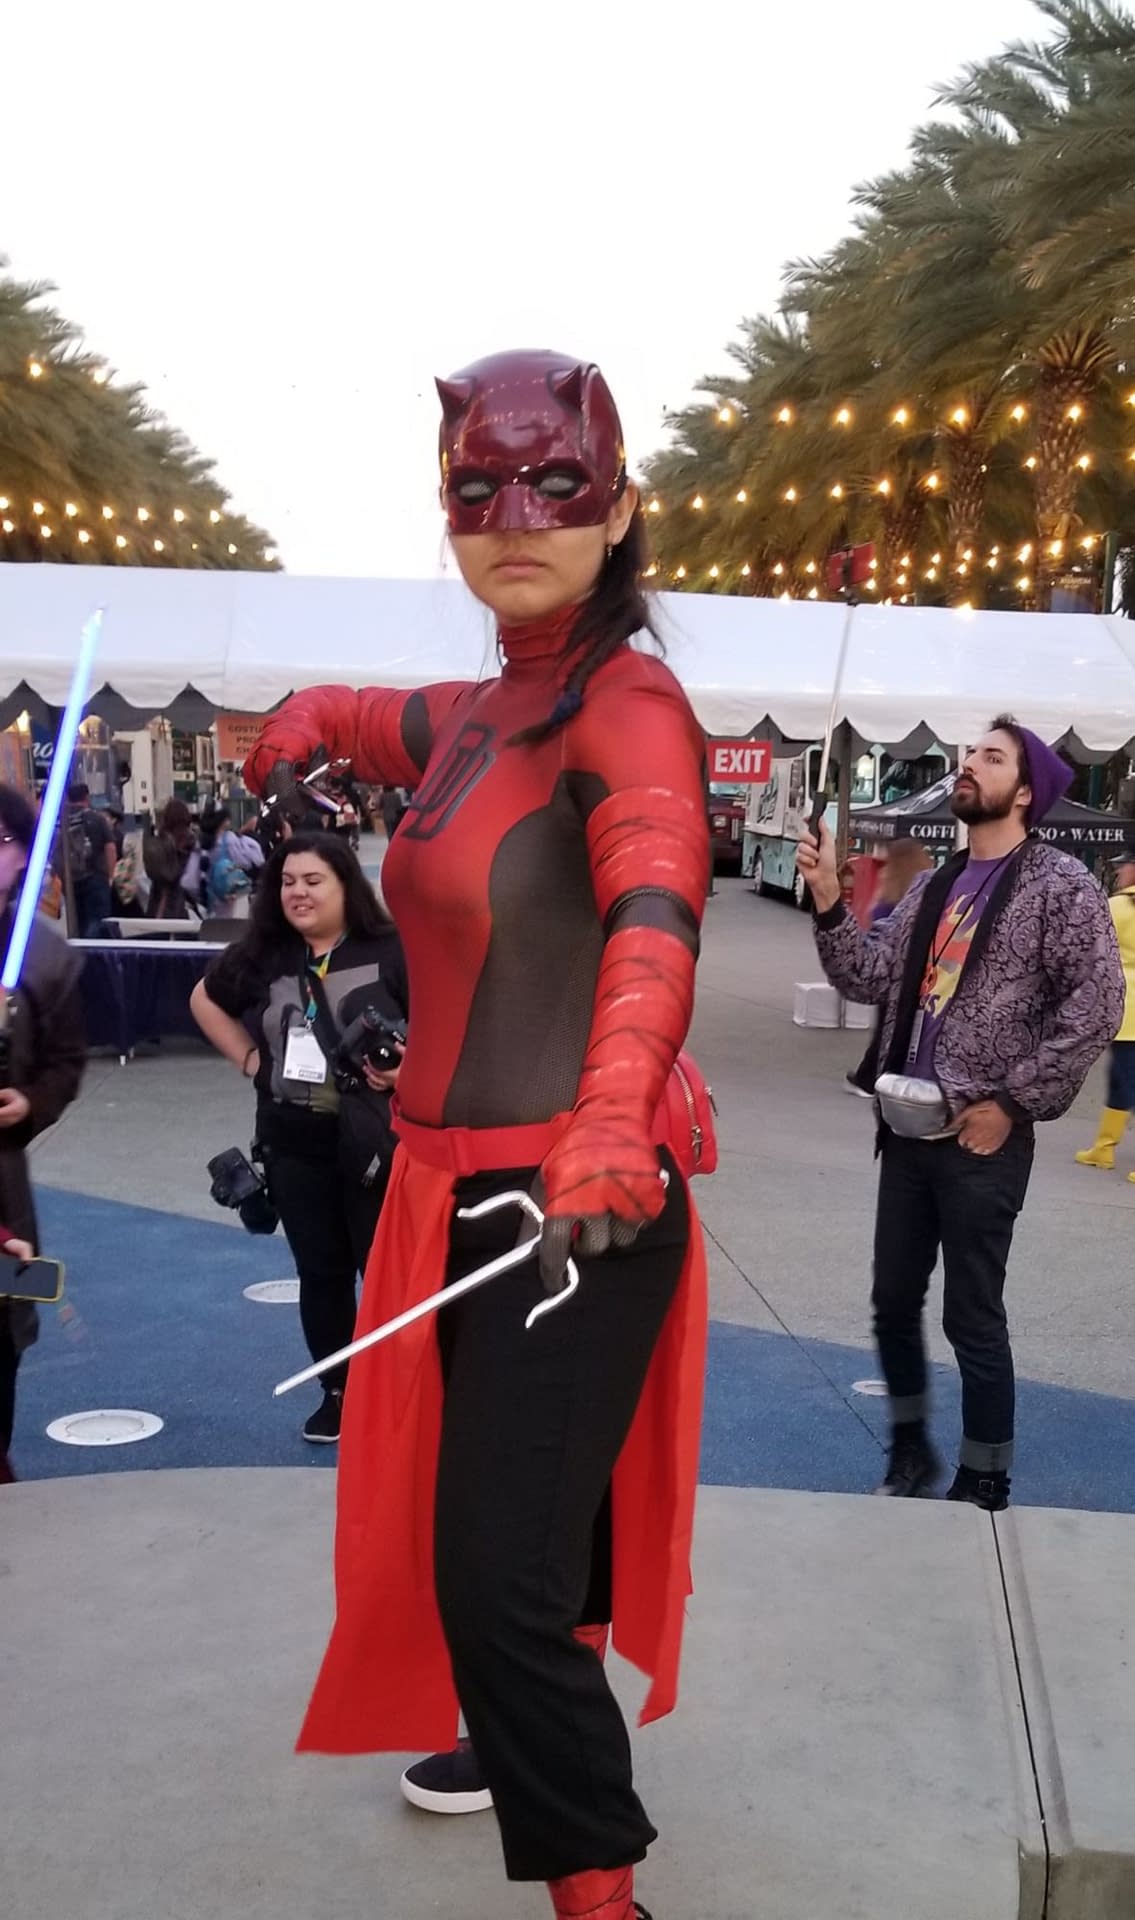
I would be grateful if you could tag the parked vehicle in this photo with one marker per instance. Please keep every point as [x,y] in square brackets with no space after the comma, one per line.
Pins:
[727,826]
[778,812]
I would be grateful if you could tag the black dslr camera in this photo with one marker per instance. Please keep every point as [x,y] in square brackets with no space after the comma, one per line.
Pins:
[368,1040]
[237,1183]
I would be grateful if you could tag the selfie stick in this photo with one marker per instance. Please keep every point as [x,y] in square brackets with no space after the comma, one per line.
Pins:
[819,798]
[51,806]
[514,1258]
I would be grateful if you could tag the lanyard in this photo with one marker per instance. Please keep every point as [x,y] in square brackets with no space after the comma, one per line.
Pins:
[971,904]
[319,969]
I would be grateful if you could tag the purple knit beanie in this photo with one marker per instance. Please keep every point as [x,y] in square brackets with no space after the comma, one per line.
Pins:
[1049,776]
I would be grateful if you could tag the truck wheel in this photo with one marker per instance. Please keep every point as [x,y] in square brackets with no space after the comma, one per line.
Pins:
[800,892]
[758,872]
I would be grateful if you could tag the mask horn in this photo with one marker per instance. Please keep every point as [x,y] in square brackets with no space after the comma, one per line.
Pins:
[568,387]
[455,396]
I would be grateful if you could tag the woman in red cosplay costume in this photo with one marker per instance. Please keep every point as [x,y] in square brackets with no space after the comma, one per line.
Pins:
[504,1494]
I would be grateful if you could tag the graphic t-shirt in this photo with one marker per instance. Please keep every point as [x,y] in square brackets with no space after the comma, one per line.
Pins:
[953,937]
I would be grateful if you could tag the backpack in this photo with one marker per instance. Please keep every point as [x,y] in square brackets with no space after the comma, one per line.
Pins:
[125,878]
[80,852]
[225,879]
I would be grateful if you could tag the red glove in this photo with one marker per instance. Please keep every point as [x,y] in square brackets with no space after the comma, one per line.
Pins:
[602,1179]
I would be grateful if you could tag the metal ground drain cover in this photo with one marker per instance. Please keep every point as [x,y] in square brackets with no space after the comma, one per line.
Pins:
[104,1427]
[274,1293]
[872,1389]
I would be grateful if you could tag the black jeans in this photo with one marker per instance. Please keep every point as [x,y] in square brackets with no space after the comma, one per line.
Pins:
[92,904]
[9,1365]
[533,1424]
[933,1194]
[329,1221]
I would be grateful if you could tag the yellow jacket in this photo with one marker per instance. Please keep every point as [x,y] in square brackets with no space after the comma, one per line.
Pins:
[1123,913]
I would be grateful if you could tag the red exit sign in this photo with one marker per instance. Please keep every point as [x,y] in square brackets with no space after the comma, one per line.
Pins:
[748,762]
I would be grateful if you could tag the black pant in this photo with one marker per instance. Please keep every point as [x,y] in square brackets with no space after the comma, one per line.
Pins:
[329,1220]
[933,1194]
[9,1363]
[92,904]
[533,1424]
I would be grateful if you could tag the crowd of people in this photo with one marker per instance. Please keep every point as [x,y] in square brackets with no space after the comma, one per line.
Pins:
[511,1023]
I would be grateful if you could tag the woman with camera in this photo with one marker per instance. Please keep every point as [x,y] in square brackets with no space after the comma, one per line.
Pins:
[309,1005]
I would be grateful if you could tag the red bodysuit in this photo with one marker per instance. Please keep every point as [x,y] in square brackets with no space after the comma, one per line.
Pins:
[548,897]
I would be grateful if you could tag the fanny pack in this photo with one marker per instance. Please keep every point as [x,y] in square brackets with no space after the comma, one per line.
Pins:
[915,1109]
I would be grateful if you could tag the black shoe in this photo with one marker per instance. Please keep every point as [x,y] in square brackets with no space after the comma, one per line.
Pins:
[912,1468]
[322,1429]
[988,1490]
[851,1085]
[641,1912]
[448,1782]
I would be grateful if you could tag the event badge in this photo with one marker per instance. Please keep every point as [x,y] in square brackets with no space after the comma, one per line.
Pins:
[304,1058]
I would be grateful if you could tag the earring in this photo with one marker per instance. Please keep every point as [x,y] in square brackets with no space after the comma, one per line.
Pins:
[610,550]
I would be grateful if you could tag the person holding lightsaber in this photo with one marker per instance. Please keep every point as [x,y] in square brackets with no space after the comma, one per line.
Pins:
[500,1482]
[42,1048]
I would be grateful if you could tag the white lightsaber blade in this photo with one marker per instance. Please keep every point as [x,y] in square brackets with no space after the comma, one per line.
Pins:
[515,1257]
[829,731]
[52,803]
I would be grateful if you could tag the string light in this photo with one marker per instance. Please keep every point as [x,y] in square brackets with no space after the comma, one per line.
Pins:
[1084,462]
[1031,462]
[884,487]
[1075,412]
[837,491]
[785,416]
[143,513]
[813,593]
[680,574]
[992,563]
[9,527]
[1024,583]
[100,376]
[71,510]
[1088,543]
[1131,399]
[742,496]
[1056,548]
[713,572]
[159,546]
[38,507]
[900,416]
[178,515]
[108,513]
[1026,552]
[900,579]
[968,554]
[746,570]
[960,417]
[962,567]
[697,503]
[786,595]
[1017,414]
[873,566]
[654,507]
[35,369]
[933,482]
[843,417]
[650,571]
[872,586]
[120,539]
[931,573]
[994,551]
[84,537]
[214,516]
[45,532]
[905,561]
[791,494]
[936,558]
[778,569]
[232,549]
[811,567]
[4,503]
[725,415]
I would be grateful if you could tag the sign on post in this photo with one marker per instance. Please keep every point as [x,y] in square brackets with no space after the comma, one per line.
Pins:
[747,763]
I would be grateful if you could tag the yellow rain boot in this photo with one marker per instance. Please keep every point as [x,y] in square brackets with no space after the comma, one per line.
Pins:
[1113,1125]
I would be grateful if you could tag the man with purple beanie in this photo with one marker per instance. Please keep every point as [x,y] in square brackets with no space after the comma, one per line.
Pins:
[1000,982]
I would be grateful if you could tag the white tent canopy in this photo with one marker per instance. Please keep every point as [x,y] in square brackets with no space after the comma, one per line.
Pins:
[242,641]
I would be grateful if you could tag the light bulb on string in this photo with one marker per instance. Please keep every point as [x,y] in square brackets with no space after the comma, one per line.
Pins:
[714,572]
[936,559]
[905,561]
[1031,462]
[214,516]
[1017,414]
[71,510]
[785,416]
[742,496]
[872,586]
[725,416]
[1075,412]
[843,417]
[1056,548]
[778,570]
[178,515]
[967,553]
[697,503]
[933,481]
[100,376]
[38,507]
[746,570]
[962,567]
[791,494]
[45,532]
[837,491]
[159,546]
[108,513]
[35,369]
[813,593]
[1088,542]
[900,579]
[884,487]
[4,503]
[120,539]
[680,573]
[1026,552]
[1024,583]
[232,549]
[900,416]
[8,526]
[960,417]
[1084,462]
[650,571]
[811,567]
[931,573]
[654,507]
[84,537]
[873,566]
[143,514]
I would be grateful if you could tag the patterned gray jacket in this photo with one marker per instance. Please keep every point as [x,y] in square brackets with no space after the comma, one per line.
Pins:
[1041,995]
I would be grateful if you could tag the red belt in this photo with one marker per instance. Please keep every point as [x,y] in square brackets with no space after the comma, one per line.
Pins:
[466,1150]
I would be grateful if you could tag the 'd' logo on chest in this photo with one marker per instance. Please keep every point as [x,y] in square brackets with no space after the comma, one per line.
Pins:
[452,781]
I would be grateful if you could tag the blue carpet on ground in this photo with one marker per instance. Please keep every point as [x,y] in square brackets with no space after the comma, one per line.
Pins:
[156,1319]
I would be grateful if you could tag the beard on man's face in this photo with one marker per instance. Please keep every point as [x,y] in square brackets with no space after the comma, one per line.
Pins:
[974,808]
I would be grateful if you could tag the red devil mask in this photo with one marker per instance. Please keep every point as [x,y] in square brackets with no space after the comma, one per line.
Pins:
[529,440]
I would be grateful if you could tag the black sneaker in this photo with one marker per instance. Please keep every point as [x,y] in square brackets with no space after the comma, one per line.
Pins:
[912,1468]
[988,1490]
[322,1429]
[851,1085]
[448,1782]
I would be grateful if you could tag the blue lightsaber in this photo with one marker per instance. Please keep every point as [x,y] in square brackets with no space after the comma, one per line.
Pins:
[52,804]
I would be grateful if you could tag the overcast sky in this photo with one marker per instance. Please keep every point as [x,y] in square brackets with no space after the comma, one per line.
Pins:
[286,219]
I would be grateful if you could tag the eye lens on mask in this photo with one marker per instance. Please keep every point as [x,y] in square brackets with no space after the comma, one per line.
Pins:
[560,483]
[474,490]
